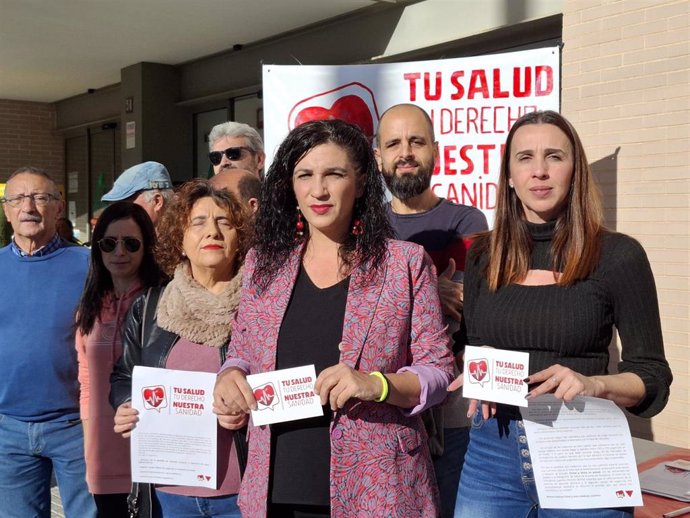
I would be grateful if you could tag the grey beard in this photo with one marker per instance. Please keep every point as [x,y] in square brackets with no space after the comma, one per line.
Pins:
[408,186]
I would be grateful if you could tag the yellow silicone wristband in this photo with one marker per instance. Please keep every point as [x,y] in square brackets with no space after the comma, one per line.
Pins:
[384,384]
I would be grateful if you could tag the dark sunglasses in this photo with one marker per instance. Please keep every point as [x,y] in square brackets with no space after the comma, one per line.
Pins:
[232,154]
[108,244]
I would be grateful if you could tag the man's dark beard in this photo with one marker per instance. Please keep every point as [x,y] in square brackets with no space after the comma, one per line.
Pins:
[408,185]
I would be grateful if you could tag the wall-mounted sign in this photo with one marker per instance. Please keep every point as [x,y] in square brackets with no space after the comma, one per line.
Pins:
[130,135]
[73,182]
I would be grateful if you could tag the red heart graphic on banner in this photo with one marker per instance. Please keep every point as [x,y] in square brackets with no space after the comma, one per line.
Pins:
[629,492]
[349,108]
[265,394]
[478,369]
[154,396]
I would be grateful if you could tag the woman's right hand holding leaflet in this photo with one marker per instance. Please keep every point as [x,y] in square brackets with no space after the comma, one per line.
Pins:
[488,408]
[125,419]
[233,398]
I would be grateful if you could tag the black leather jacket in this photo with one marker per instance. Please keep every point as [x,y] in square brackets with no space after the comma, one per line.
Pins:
[148,347]
[151,352]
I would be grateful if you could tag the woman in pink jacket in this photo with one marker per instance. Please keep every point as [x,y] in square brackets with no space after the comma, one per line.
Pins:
[325,285]
[121,266]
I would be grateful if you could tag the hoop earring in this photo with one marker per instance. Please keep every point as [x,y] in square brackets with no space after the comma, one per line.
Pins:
[357,227]
[299,226]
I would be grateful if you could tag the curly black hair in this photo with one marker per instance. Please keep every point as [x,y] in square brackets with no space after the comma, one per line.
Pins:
[275,222]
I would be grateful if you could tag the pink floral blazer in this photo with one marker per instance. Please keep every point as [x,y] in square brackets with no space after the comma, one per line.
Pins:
[380,464]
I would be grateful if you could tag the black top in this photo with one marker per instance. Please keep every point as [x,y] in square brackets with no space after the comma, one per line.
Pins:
[573,326]
[301,450]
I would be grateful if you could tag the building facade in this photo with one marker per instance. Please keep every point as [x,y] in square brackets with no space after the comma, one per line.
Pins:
[625,86]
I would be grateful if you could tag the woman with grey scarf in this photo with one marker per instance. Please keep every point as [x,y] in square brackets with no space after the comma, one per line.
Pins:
[186,326]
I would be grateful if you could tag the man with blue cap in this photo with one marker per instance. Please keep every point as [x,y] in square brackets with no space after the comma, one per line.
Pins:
[147,184]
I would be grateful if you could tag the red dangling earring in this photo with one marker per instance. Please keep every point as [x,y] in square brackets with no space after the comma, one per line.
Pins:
[299,226]
[357,228]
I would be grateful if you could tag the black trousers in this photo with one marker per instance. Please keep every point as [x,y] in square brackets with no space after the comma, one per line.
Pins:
[112,506]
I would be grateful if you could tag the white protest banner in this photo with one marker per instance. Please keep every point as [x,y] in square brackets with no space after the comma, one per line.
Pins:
[472,101]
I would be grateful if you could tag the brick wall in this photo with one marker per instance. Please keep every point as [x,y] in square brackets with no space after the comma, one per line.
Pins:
[626,88]
[28,137]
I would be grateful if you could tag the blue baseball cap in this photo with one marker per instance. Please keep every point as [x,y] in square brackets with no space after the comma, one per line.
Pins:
[141,177]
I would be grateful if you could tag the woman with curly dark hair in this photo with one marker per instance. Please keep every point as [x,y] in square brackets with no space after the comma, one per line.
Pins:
[186,326]
[122,265]
[329,287]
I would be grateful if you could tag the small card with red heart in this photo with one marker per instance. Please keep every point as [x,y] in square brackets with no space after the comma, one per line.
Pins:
[284,395]
[495,375]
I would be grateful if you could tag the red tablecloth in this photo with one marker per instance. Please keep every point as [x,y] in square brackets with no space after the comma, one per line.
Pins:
[655,506]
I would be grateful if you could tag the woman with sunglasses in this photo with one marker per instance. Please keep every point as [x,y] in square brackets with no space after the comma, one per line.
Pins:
[186,326]
[121,266]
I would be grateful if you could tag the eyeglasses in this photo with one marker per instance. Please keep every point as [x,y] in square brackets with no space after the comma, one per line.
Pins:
[232,154]
[108,244]
[40,199]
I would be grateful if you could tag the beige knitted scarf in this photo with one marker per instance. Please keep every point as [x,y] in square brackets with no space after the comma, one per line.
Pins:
[189,310]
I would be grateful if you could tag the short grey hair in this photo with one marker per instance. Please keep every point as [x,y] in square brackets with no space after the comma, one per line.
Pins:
[166,193]
[36,171]
[234,129]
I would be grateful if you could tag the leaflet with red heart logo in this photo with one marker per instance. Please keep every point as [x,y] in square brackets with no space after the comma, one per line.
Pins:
[174,441]
[581,453]
[495,375]
[284,395]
